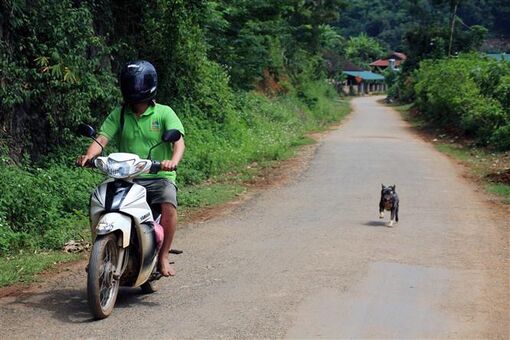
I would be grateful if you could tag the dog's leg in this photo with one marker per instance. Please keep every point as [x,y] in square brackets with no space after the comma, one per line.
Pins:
[390,224]
[381,209]
[396,214]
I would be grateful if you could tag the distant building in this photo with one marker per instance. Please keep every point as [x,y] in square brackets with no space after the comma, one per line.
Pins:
[393,60]
[353,79]
[359,81]
[363,82]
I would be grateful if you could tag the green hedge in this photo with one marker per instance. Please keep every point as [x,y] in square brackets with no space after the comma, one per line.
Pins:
[42,208]
[469,94]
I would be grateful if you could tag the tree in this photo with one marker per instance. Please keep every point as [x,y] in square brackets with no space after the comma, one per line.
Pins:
[362,50]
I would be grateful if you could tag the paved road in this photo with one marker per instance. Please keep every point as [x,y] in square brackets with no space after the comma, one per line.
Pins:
[311,258]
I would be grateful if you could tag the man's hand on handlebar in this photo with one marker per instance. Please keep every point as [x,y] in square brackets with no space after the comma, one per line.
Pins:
[170,165]
[84,160]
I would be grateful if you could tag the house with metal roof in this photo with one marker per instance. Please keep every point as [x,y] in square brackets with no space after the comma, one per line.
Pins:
[354,79]
[393,60]
[363,82]
[364,75]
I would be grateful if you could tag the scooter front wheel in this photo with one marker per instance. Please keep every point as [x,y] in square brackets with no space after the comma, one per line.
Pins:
[102,287]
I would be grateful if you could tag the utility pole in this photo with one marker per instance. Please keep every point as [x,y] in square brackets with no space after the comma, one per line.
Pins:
[453,14]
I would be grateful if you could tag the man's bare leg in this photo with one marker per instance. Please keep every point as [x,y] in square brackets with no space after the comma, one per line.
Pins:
[169,224]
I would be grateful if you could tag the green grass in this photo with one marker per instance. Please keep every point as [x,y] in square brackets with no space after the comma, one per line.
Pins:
[303,140]
[403,108]
[208,195]
[501,190]
[480,161]
[24,266]
[455,151]
[415,121]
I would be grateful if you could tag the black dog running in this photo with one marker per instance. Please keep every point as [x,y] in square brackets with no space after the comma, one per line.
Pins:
[389,201]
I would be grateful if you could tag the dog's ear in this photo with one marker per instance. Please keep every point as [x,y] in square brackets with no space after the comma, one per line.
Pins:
[383,186]
[393,187]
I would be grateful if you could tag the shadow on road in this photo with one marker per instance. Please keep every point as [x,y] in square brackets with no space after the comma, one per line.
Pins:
[70,305]
[67,305]
[132,297]
[375,224]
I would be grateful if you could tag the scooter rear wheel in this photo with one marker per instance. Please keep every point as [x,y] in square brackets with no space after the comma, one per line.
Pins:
[102,287]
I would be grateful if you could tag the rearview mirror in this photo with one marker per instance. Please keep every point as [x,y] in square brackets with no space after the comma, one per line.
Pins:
[168,136]
[171,136]
[86,130]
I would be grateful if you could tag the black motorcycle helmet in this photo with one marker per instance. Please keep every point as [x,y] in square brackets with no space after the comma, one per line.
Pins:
[138,82]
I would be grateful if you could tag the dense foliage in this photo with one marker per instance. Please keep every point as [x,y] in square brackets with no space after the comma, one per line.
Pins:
[245,77]
[362,50]
[469,94]
[466,93]
[443,29]
[389,20]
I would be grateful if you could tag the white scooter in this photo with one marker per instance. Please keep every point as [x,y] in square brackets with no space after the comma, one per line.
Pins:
[125,247]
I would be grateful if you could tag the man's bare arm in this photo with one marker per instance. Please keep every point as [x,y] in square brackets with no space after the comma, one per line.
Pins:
[178,152]
[93,150]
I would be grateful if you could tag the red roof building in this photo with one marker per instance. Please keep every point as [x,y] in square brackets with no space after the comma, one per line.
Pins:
[395,59]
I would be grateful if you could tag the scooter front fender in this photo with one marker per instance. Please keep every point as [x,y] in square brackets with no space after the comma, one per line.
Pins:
[111,222]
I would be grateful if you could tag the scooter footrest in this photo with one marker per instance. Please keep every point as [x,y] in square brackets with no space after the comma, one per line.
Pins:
[155,276]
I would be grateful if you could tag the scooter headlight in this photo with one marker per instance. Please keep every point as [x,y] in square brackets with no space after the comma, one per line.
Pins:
[122,165]
[119,169]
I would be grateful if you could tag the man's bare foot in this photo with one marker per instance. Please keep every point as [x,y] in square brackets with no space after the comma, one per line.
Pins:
[165,268]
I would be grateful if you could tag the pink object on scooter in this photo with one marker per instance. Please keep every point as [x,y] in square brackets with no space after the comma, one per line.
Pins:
[160,234]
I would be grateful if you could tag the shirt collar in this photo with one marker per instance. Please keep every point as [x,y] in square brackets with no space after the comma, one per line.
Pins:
[148,112]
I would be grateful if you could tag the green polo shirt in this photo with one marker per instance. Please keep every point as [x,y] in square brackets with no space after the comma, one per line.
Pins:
[141,133]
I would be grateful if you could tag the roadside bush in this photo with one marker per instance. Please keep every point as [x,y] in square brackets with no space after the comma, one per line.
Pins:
[500,139]
[403,89]
[502,92]
[42,207]
[483,118]
[444,91]
[12,240]
[470,94]
[259,129]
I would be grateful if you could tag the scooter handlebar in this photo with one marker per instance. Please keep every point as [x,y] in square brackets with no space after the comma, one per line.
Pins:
[88,164]
[155,167]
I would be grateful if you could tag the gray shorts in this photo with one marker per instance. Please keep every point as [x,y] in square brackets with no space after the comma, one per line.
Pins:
[159,190]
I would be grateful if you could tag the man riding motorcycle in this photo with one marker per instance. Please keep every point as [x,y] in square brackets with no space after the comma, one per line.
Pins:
[138,125]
